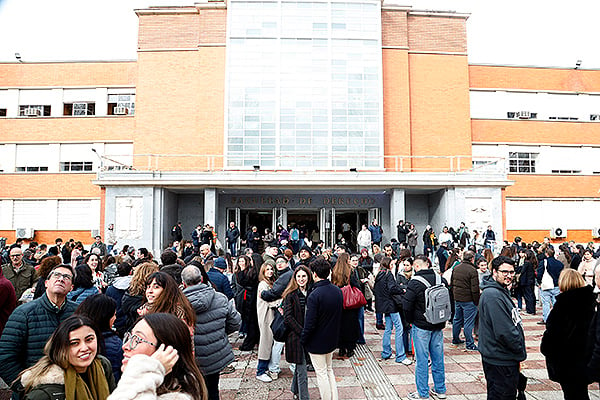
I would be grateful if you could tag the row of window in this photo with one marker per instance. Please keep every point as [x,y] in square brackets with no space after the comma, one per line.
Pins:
[534,115]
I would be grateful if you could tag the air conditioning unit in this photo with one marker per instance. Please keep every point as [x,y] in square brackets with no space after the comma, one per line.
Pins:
[120,110]
[594,117]
[95,232]
[558,232]
[32,112]
[24,233]
[524,114]
[596,232]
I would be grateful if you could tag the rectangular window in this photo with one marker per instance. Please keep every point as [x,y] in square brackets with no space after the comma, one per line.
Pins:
[76,166]
[2,112]
[566,171]
[78,109]
[32,169]
[121,104]
[522,163]
[34,111]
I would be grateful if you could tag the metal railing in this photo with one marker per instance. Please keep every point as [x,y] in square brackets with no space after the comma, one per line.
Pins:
[298,163]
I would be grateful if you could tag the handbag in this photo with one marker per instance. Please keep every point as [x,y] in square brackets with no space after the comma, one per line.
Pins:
[547,281]
[280,330]
[353,297]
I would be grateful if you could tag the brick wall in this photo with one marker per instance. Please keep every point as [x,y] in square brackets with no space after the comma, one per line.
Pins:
[169,31]
[394,28]
[437,33]
[48,186]
[68,74]
[529,78]
[213,26]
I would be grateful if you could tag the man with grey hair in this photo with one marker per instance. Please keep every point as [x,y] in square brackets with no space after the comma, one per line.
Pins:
[216,318]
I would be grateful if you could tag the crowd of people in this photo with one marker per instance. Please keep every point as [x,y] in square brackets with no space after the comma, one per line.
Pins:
[97,323]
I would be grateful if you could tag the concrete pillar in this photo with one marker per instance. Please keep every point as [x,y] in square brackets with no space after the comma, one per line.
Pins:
[210,206]
[397,210]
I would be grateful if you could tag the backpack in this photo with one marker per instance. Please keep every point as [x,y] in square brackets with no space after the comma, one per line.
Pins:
[437,300]
[295,234]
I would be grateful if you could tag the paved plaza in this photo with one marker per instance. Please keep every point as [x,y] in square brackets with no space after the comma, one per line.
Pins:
[367,376]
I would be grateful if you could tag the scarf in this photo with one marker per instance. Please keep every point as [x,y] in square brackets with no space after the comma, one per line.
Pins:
[76,388]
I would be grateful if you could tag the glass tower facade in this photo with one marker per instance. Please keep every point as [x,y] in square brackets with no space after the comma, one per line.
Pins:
[304,86]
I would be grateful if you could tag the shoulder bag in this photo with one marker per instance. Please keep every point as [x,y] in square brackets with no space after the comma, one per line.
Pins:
[353,297]
[547,281]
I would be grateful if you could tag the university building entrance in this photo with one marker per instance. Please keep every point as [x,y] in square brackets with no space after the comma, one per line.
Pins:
[328,224]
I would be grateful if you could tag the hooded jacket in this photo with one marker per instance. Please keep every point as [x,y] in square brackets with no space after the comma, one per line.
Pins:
[501,336]
[216,318]
[388,294]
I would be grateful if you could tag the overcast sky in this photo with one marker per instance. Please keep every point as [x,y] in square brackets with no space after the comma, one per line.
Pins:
[509,32]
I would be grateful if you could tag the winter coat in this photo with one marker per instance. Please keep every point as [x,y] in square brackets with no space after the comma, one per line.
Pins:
[465,283]
[51,384]
[501,336]
[215,319]
[232,234]
[80,294]
[113,350]
[22,280]
[527,271]
[554,267]
[401,231]
[140,380]
[412,238]
[413,302]
[364,238]
[279,286]
[366,263]
[593,349]
[294,308]
[388,295]
[8,300]
[26,332]
[323,318]
[129,314]
[118,289]
[264,313]
[221,282]
[376,233]
[565,340]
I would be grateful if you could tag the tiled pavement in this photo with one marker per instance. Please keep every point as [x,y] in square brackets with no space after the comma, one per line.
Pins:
[464,373]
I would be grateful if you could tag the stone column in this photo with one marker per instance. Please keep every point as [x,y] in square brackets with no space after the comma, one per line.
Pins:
[210,206]
[397,210]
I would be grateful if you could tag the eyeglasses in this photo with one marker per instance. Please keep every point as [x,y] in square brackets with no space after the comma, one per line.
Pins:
[58,275]
[134,340]
[16,255]
[507,272]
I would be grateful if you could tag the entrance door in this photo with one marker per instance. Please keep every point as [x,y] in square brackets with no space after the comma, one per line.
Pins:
[262,219]
[307,222]
[279,218]
[374,213]
[348,224]
[327,226]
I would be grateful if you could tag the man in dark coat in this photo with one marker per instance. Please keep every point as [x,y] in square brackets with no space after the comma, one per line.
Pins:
[322,326]
[402,231]
[31,324]
[177,233]
[465,286]
[231,236]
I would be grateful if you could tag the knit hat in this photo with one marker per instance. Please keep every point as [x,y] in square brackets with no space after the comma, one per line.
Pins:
[220,263]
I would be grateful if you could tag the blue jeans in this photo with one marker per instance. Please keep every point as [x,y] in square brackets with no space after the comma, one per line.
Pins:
[300,381]
[429,344]
[262,367]
[379,318]
[276,356]
[232,248]
[392,321]
[464,316]
[406,339]
[548,298]
[361,323]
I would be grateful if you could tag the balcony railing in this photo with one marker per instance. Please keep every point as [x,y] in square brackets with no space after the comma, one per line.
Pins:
[299,163]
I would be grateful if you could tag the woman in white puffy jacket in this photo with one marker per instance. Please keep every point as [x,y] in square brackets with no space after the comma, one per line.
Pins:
[159,363]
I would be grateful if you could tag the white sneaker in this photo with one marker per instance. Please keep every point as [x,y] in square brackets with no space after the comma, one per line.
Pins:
[273,375]
[415,396]
[406,361]
[436,395]
[264,378]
